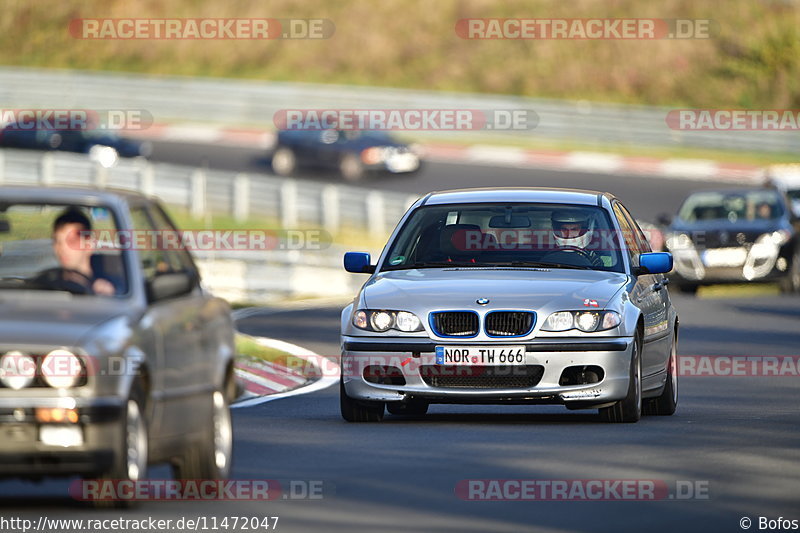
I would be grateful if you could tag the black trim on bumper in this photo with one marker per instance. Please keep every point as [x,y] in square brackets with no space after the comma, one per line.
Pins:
[429,347]
[55,463]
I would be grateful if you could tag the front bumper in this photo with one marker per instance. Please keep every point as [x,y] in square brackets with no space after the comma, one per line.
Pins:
[412,357]
[695,267]
[23,454]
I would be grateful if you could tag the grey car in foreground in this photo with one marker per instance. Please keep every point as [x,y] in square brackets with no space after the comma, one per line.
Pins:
[112,364]
[492,296]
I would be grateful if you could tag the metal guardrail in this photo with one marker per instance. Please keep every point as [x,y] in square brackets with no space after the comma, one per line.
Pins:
[244,276]
[292,203]
[255,103]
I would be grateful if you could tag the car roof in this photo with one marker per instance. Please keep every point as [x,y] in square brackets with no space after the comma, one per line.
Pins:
[516,195]
[733,190]
[68,195]
[785,175]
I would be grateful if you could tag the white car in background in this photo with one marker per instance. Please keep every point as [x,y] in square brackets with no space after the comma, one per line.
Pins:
[786,178]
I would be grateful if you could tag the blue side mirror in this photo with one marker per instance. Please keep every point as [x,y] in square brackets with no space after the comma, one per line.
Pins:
[655,262]
[358,263]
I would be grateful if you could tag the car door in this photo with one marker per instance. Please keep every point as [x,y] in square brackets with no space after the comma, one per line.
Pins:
[330,147]
[646,295]
[176,382]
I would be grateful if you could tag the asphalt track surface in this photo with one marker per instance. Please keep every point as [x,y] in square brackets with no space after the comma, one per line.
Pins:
[736,436]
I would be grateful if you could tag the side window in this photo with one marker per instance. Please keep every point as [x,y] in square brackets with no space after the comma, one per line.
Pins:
[154,256]
[182,258]
[641,239]
[627,235]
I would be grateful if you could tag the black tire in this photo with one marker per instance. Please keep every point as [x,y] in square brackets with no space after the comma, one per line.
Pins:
[629,409]
[667,402]
[790,283]
[412,408]
[211,457]
[284,161]
[131,454]
[358,411]
[351,168]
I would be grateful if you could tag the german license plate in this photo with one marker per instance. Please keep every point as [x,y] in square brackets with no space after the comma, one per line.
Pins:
[724,257]
[480,355]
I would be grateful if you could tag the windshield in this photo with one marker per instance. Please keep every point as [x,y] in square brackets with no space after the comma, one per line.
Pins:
[508,235]
[732,206]
[45,247]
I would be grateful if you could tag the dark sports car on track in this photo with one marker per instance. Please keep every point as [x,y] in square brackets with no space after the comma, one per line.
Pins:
[353,154]
[735,236]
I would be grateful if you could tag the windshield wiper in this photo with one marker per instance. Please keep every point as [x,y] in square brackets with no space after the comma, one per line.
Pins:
[434,264]
[539,264]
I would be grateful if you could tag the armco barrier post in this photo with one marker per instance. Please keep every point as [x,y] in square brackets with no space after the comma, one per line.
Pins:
[100,176]
[241,197]
[147,179]
[288,206]
[376,214]
[330,208]
[198,193]
[46,169]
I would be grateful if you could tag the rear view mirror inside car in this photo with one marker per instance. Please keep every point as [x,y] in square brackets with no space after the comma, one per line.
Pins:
[515,221]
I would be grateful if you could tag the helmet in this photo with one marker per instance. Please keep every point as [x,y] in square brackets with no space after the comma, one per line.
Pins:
[572,228]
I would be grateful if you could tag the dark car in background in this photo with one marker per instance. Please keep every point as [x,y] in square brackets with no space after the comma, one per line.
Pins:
[353,154]
[104,145]
[735,236]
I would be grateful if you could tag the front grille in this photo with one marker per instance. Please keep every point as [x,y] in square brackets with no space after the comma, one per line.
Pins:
[509,323]
[481,377]
[455,323]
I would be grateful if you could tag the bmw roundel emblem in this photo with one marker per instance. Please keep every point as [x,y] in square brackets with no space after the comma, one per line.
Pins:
[482,301]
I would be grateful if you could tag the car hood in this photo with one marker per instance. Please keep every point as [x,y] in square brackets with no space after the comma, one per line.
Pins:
[513,288]
[722,233]
[51,321]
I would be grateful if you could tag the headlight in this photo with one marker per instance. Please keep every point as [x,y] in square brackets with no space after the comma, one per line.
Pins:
[61,369]
[374,155]
[17,370]
[778,238]
[406,321]
[586,321]
[381,321]
[561,321]
[678,242]
[384,320]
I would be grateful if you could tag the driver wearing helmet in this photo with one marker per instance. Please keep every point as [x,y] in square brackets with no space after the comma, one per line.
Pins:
[572,231]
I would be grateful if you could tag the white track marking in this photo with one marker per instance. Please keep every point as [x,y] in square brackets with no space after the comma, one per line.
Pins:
[330,375]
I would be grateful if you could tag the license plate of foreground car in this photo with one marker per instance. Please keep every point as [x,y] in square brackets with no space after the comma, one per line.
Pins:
[480,355]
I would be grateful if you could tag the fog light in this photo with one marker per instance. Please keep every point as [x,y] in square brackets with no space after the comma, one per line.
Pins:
[56,414]
[64,436]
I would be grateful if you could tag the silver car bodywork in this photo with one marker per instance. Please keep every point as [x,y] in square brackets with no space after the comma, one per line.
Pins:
[640,299]
[177,351]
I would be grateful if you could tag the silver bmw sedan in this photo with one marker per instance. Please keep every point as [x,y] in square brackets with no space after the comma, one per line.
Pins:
[515,296]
